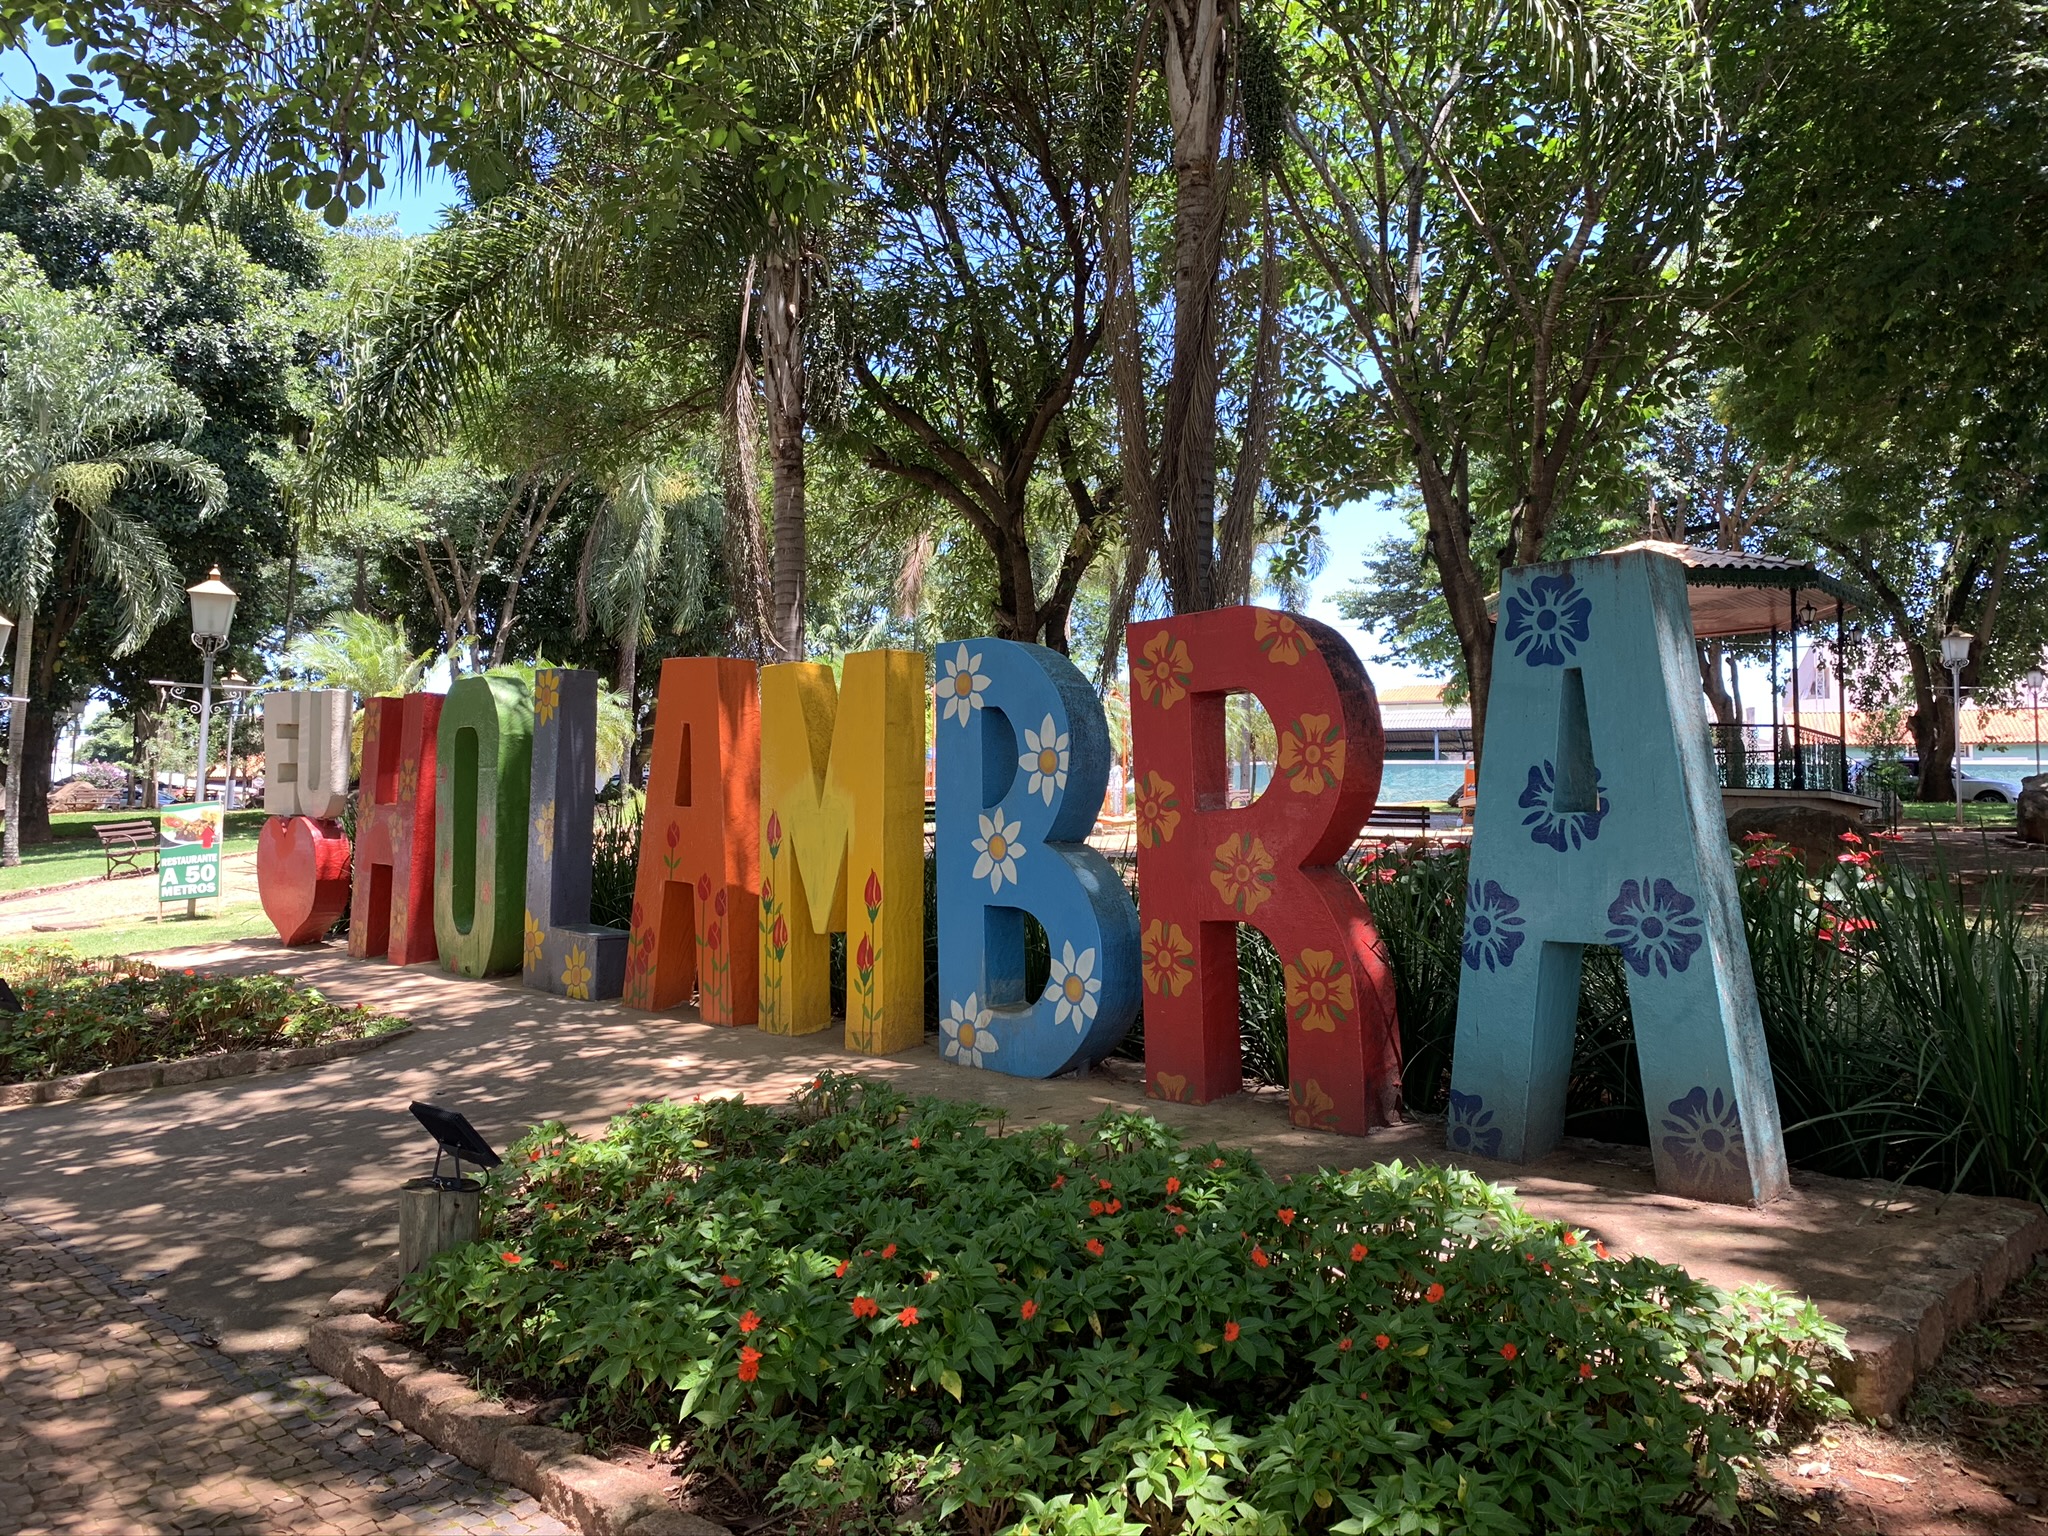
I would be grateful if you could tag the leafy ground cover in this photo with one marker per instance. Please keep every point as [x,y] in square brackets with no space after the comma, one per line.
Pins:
[85,1015]
[882,1314]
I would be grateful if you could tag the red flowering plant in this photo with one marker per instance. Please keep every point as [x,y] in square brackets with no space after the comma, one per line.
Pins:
[957,1324]
[80,1015]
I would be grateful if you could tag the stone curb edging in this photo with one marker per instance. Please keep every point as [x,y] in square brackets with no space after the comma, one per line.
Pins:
[144,1075]
[1902,1331]
[356,1346]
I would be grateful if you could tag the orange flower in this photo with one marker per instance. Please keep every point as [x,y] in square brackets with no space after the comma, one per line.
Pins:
[865,1306]
[1163,676]
[1115,1206]
[1095,1207]
[1158,811]
[1259,1256]
[730,1282]
[1169,958]
[1060,1182]
[1215,1162]
[1095,1247]
[1434,1294]
[917,1141]
[1585,1370]
[1508,1351]
[1173,1186]
[510,1258]
[1283,640]
[1179,1230]
[750,1362]
[1319,994]
[1242,872]
[907,1317]
[1382,1340]
[1230,1333]
[1600,1250]
[839,1270]
[1104,1184]
[1312,754]
[1571,1239]
[1286,1215]
[557,1263]
[1029,1310]
[889,1252]
[1358,1251]
[750,1322]
[1343,1346]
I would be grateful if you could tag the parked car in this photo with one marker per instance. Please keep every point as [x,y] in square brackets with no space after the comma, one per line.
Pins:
[1985,791]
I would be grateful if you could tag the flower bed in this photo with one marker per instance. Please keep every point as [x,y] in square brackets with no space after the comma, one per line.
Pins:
[874,1310]
[89,1015]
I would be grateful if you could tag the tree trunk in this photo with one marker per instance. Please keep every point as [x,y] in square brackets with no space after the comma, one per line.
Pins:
[629,685]
[1199,44]
[782,355]
[17,735]
[37,754]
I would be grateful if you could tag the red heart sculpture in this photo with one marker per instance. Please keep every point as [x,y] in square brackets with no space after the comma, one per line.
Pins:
[302,870]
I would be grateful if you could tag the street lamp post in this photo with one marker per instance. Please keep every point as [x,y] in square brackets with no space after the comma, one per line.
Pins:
[1955,655]
[2037,682]
[10,840]
[213,610]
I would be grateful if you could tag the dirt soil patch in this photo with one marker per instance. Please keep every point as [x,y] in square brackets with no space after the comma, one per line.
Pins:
[1969,1457]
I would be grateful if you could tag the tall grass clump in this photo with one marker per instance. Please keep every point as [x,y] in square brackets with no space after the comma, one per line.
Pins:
[1907,1024]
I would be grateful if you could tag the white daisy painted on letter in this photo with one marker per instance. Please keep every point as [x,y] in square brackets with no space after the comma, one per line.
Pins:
[964,1033]
[1045,757]
[960,690]
[1074,986]
[999,851]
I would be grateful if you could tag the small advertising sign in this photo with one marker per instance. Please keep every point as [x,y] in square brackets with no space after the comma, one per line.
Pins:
[188,853]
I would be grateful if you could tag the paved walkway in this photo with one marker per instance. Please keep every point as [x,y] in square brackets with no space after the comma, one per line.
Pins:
[117,1416]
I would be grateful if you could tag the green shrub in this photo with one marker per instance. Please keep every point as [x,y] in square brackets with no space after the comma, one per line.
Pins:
[867,1303]
[89,1015]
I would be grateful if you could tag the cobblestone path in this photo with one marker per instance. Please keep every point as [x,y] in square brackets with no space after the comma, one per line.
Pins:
[117,1416]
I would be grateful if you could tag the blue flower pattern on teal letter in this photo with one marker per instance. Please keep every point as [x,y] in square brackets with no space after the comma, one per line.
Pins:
[1704,1136]
[1562,830]
[1547,620]
[1654,924]
[1470,1127]
[1492,931]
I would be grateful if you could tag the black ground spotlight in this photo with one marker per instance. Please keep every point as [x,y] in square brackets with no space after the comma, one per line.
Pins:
[454,1137]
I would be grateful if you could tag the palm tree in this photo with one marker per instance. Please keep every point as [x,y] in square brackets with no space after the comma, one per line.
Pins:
[85,412]
[366,655]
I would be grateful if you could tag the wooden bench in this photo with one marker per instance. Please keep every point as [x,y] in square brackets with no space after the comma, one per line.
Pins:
[124,843]
[1401,818]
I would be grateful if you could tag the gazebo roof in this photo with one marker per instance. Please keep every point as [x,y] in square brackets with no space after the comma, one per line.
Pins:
[1733,593]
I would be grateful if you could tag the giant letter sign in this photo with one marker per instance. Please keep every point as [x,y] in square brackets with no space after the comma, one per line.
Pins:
[393,909]
[563,952]
[305,753]
[485,762]
[1023,758]
[1203,869]
[1599,822]
[842,801]
[302,857]
[696,898]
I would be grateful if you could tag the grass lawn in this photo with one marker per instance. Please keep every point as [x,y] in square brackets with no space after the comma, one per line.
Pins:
[74,854]
[235,918]
[1984,816]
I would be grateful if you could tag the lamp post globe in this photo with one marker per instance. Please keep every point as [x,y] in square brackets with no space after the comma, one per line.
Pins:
[1955,655]
[213,610]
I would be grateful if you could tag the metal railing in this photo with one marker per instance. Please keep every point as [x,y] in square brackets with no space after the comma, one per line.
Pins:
[1779,757]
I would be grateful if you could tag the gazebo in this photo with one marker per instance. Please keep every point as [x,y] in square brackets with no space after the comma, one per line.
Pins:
[1734,595]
